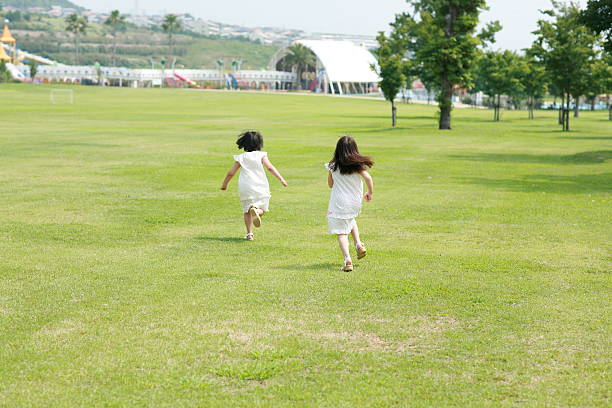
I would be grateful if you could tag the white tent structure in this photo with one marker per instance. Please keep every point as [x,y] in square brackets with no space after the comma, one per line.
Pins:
[342,67]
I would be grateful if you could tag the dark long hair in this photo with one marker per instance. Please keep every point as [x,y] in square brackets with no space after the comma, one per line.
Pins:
[250,141]
[347,158]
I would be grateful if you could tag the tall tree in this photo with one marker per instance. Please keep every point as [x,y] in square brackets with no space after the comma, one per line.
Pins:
[300,58]
[567,49]
[533,79]
[497,74]
[116,23]
[391,70]
[171,25]
[77,25]
[444,44]
[598,17]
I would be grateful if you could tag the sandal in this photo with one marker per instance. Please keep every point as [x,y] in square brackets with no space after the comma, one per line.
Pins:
[348,266]
[361,250]
[249,236]
[255,215]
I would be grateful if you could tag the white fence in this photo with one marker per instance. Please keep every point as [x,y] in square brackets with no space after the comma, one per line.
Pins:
[71,73]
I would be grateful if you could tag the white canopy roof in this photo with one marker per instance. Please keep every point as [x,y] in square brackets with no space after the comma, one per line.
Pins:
[344,61]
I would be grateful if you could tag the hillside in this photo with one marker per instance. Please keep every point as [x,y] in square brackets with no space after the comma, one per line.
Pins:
[46,4]
[136,47]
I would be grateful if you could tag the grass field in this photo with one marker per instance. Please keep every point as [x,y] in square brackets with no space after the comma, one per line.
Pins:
[124,279]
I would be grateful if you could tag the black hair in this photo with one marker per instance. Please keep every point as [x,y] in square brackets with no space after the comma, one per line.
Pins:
[250,141]
[347,158]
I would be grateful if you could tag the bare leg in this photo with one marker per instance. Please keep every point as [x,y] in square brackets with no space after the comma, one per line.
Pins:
[344,246]
[355,234]
[248,222]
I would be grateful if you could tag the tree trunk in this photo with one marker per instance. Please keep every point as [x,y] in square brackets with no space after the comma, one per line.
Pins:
[561,113]
[393,114]
[593,104]
[445,102]
[114,50]
[576,106]
[76,49]
[566,126]
[298,75]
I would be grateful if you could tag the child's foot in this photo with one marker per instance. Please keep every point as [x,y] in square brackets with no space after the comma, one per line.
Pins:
[255,214]
[361,250]
[249,236]
[348,266]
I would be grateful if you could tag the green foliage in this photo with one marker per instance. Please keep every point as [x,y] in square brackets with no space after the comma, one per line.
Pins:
[567,49]
[77,25]
[136,46]
[33,69]
[391,71]
[498,73]
[5,76]
[443,42]
[116,22]
[170,25]
[598,17]
[300,58]
[46,4]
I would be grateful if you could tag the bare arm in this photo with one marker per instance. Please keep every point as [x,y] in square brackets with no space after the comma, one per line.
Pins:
[268,165]
[330,179]
[229,175]
[369,182]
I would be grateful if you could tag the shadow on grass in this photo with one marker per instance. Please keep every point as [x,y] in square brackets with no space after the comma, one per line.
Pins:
[219,239]
[578,184]
[594,157]
[586,137]
[309,267]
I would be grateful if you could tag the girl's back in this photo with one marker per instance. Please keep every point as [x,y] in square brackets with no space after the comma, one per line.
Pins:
[252,182]
[345,200]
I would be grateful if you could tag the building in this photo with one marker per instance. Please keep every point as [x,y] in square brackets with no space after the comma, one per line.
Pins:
[341,67]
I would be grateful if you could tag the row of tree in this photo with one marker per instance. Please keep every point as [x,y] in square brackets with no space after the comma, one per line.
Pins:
[77,25]
[438,43]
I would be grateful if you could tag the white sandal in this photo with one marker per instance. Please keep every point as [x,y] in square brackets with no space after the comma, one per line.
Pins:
[249,236]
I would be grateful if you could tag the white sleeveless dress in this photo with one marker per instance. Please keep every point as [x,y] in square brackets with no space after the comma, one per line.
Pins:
[344,202]
[253,186]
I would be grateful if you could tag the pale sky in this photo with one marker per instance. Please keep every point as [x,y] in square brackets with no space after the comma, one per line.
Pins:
[518,17]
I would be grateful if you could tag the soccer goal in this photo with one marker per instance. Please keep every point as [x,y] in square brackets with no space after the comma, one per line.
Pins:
[61,96]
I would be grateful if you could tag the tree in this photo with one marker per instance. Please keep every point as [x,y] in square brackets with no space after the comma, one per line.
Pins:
[171,25]
[33,69]
[116,23]
[5,75]
[391,71]
[533,79]
[497,74]
[566,48]
[77,25]
[598,17]
[443,45]
[300,58]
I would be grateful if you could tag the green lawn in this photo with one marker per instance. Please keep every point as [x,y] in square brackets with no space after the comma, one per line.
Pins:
[125,282]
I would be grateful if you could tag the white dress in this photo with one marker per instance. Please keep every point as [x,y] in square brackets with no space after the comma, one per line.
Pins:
[344,202]
[253,186]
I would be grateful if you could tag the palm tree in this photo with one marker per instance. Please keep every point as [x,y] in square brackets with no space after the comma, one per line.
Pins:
[301,58]
[76,25]
[171,24]
[116,22]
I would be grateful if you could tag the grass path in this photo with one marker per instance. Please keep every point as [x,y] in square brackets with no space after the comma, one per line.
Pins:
[124,280]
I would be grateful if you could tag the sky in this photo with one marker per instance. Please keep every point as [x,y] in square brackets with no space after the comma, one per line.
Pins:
[518,17]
